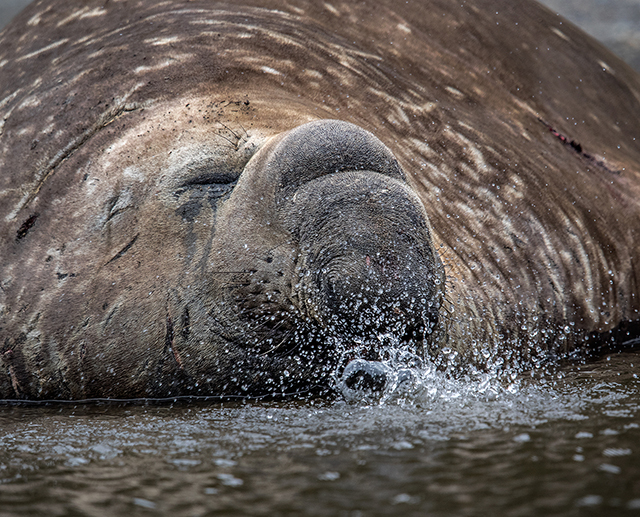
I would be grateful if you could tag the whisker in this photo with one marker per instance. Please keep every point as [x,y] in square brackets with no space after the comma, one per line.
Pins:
[238,137]
[231,142]
[273,349]
[262,324]
[245,131]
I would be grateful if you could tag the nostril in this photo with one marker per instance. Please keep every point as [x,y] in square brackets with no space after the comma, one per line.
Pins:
[361,375]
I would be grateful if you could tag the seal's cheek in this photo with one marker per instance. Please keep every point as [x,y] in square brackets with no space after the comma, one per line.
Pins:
[152,191]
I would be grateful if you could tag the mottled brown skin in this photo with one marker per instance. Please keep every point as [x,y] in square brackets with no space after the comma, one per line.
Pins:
[170,226]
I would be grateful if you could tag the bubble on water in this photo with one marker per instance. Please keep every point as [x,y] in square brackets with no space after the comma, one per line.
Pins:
[223,462]
[144,503]
[611,469]
[405,499]
[589,500]
[402,445]
[230,480]
[105,451]
[76,461]
[614,451]
[185,463]
[329,476]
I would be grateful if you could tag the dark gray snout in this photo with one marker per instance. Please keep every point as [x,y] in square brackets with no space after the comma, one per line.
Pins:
[366,278]
[367,266]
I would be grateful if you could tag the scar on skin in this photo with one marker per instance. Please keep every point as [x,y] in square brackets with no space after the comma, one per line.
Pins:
[575,146]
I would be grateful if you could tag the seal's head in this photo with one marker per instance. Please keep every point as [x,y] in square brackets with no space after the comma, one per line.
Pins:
[219,260]
[344,264]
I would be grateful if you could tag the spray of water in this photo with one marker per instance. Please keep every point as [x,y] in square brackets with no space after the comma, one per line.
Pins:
[402,377]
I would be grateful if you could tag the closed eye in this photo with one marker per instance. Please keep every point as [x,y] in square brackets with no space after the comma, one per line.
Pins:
[207,186]
[214,182]
[212,178]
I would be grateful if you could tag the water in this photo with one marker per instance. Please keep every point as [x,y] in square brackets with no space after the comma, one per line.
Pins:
[554,446]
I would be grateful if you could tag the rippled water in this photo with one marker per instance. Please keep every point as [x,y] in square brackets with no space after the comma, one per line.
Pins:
[568,446]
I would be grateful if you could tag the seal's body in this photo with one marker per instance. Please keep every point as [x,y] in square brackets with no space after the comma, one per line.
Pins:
[199,198]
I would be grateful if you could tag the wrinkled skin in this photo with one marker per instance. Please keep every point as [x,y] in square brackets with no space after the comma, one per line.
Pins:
[199,198]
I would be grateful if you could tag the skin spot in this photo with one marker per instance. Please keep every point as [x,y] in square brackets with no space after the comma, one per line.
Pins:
[26,226]
[455,92]
[559,33]
[44,49]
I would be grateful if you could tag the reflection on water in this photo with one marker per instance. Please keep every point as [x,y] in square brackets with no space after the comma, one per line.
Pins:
[569,446]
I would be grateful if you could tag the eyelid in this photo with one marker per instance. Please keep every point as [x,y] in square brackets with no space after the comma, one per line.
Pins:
[212,178]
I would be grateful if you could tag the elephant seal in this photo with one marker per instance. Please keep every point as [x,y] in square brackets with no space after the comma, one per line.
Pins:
[204,198]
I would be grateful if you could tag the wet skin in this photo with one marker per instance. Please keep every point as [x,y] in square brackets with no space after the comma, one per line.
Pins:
[198,199]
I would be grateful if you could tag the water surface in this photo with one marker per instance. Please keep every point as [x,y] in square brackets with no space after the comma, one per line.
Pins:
[553,446]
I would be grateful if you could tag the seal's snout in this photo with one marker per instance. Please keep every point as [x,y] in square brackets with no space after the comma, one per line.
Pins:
[384,289]
[358,273]
[367,264]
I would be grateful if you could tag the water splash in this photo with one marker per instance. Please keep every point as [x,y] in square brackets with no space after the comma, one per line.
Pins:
[403,377]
